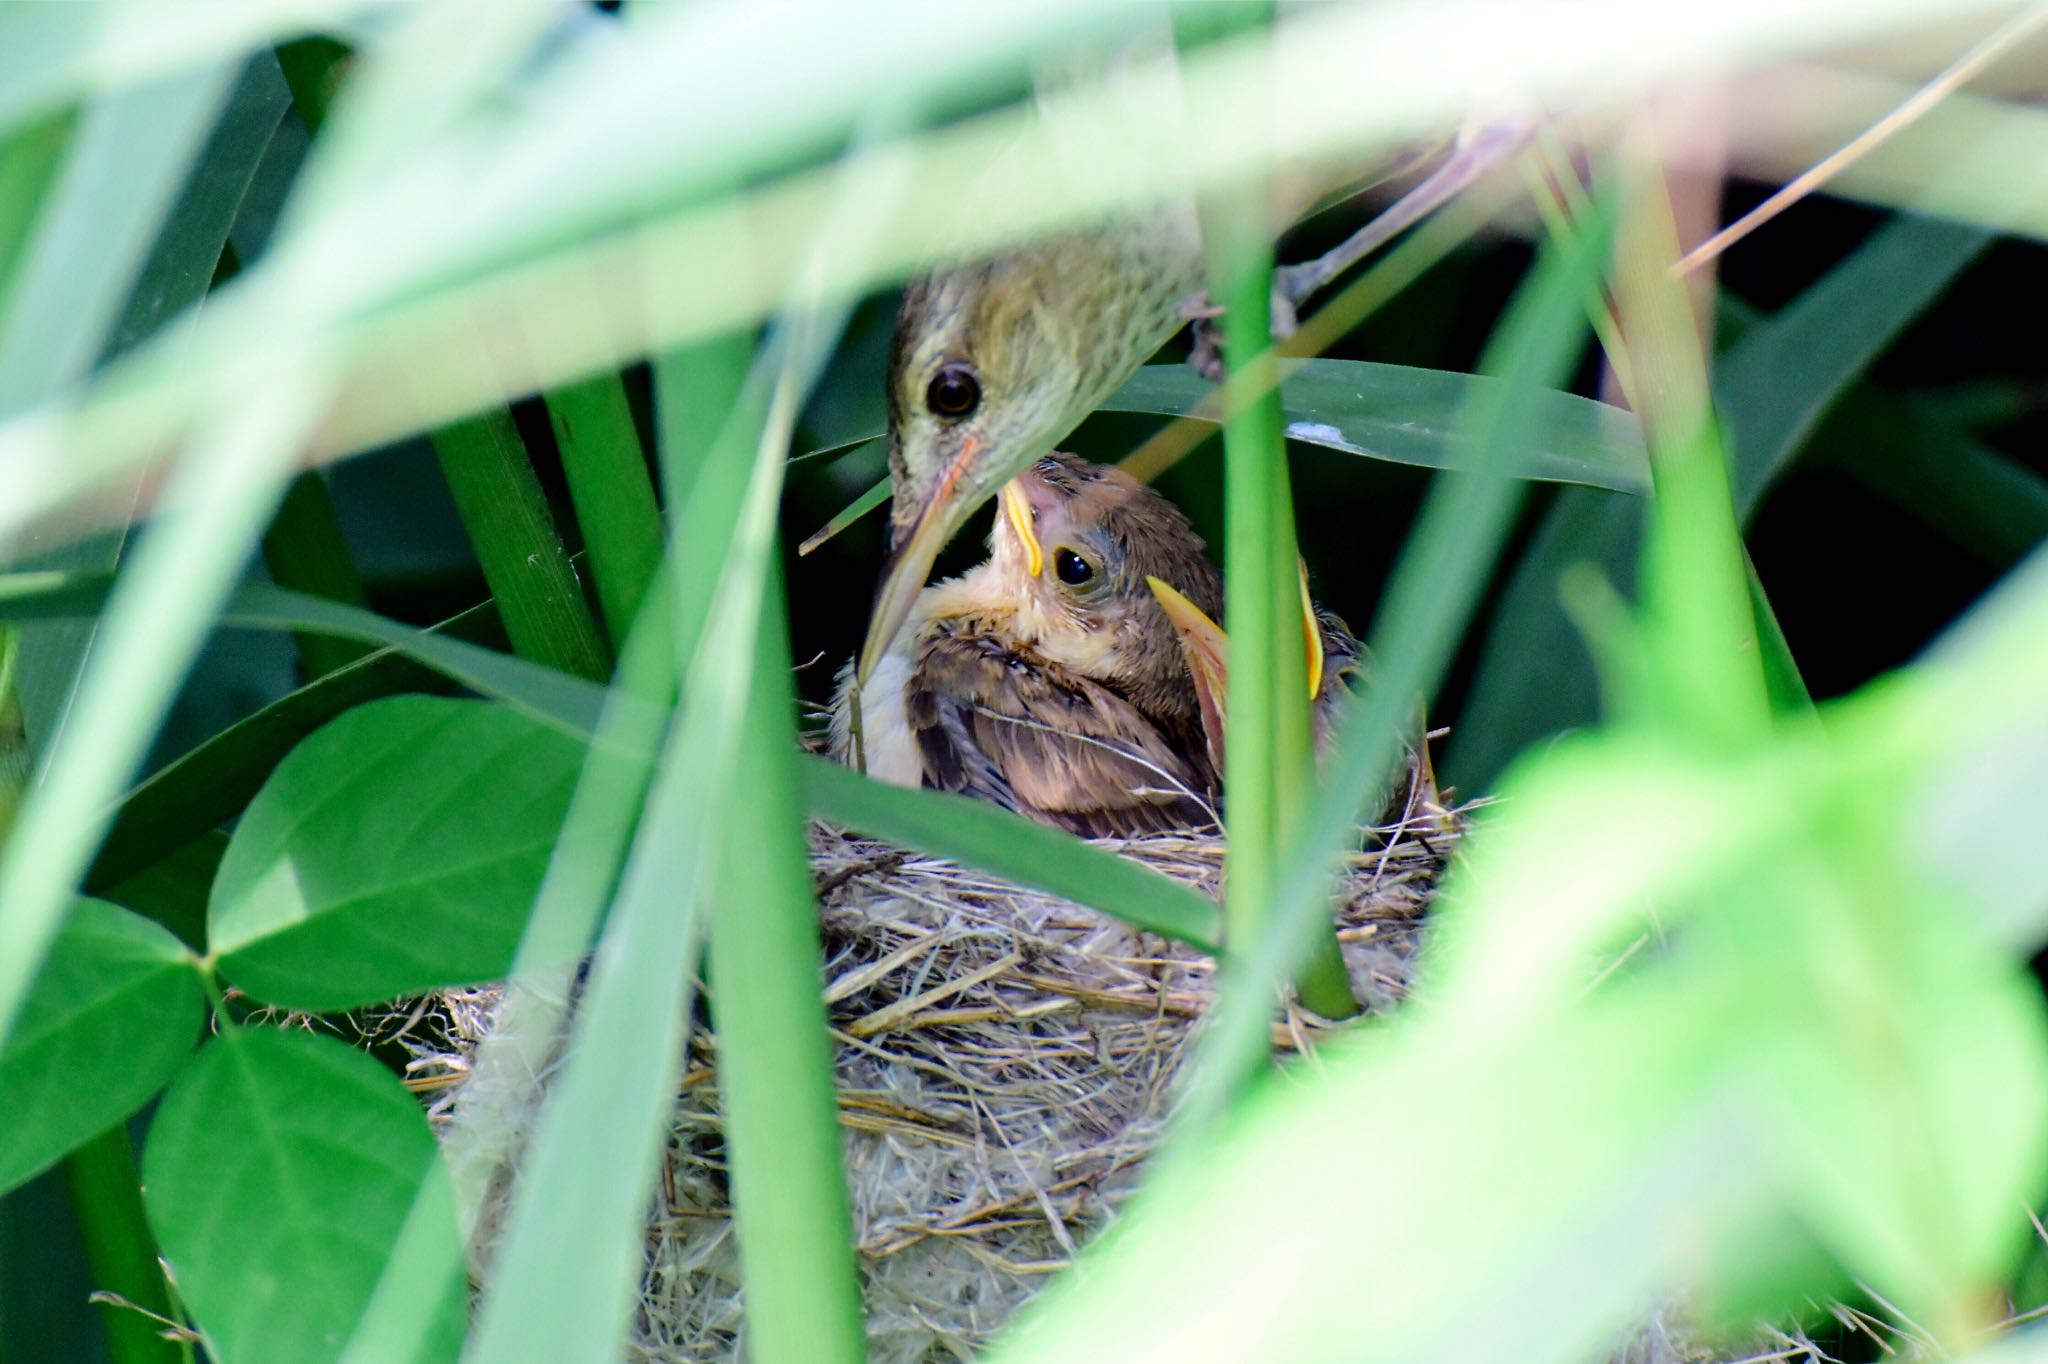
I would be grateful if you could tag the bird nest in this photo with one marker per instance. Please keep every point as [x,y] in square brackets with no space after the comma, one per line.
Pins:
[1005,1062]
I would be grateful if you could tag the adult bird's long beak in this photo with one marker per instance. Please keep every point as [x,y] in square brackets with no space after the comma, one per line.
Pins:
[903,577]
[910,558]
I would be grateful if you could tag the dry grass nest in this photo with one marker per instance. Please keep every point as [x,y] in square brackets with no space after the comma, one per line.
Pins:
[1005,1063]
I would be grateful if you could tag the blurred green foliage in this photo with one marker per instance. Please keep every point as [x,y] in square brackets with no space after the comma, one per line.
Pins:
[1730,997]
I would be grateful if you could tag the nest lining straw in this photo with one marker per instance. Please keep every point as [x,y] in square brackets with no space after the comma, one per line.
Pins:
[1005,1063]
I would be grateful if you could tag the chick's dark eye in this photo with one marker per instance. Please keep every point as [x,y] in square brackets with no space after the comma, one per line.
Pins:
[953,391]
[1072,568]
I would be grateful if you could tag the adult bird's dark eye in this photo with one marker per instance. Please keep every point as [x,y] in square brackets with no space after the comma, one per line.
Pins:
[1072,568]
[953,391]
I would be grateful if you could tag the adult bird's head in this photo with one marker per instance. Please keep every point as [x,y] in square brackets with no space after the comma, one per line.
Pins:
[980,384]
[994,363]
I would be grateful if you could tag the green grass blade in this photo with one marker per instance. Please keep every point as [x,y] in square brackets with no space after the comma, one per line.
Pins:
[125,162]
[518,547]
[88,253]
[212,511]
[482,457]
[1271,771]
[1992,506]
[1770,386]
[614,497]
[375,313]
[1788,370]
[775,1054]
[611,793]
[50,54]
[564,1275]
[1408,416]
[1782,680]
[1698,622]
[1435,587]
[980,835]
[30,157]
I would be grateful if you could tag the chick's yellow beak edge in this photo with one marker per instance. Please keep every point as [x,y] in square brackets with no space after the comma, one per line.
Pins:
[1019,512]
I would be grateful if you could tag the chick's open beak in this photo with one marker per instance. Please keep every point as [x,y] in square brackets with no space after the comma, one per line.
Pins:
[1313,632]
[1018,509]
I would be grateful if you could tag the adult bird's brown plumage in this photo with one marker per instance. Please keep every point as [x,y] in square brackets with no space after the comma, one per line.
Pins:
[1048,679]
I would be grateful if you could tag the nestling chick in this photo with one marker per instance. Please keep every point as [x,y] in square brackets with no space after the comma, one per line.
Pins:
[1048,679]
[1337,665]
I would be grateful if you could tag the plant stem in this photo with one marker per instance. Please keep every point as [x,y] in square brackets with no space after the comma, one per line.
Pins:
[506,514]
[614,497]
[106,1189]
[1271,776]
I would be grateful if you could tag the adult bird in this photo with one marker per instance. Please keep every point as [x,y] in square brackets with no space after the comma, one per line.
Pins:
[994,362]
[1048,679]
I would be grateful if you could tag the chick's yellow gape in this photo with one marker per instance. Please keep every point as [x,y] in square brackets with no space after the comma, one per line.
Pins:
[1048,679]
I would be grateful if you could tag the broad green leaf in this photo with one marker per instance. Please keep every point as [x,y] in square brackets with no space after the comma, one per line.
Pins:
[112,1015]
[980,835]
[1409,416]
[212,510]
[398,849]
[280,1174]
[209,785]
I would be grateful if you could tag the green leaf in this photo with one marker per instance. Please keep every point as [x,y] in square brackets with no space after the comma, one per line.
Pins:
[398,849]
[981,835]
[110,1017]
[1392,412]
[1409,416]
[1769,388]
[209,785]
[517,545]
[570,704]
[1987,504]
[1787,371]
[614,498]
[281,1173]
[784,1150]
